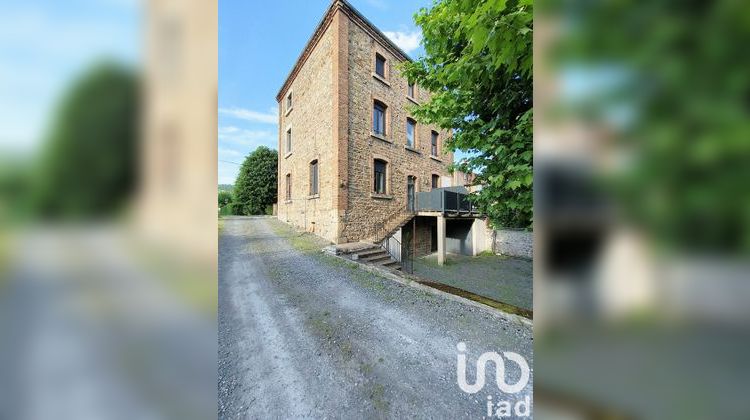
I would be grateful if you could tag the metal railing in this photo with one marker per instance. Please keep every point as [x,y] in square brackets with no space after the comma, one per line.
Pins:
[446,200]
[383,228]
[399,251]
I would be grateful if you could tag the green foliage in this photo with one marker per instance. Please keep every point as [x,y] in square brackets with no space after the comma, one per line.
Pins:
[225,197]
[87,167]
[679,74]
[478,65]
[225,202]
[255,189]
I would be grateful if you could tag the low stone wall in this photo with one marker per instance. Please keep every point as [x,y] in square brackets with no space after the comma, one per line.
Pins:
[516,243]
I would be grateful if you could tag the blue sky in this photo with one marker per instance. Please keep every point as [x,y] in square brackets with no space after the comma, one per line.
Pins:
[46,43]
[259,42]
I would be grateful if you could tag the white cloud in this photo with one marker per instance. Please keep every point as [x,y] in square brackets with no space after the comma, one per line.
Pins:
[270,117]
[249,138]
[407,41]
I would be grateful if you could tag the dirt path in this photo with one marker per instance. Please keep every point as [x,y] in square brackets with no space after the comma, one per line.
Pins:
[302,334]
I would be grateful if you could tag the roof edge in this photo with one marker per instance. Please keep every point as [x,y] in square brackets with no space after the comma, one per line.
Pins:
[356,17]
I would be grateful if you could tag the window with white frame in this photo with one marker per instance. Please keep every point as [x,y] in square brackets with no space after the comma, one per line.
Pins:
[411,127]
[378,118]
[379,176]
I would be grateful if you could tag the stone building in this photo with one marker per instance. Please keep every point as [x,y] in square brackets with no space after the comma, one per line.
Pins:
[352,160]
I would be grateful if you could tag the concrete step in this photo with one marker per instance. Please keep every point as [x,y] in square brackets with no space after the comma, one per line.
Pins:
[377,258]
[392,264]
[369,252]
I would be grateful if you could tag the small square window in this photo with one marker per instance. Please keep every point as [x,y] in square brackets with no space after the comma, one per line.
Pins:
[380,65]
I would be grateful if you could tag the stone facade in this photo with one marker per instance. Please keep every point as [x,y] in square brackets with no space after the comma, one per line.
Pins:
[311,139]
[334,87]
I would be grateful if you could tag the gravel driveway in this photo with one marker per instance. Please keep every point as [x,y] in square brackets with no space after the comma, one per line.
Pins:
[302,334]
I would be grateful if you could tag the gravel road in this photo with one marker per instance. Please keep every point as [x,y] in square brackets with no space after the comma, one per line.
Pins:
[302,334]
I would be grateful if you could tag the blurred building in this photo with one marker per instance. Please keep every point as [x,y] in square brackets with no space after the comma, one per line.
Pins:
[178,182]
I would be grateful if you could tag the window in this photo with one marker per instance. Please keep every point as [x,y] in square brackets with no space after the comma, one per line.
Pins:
[411,126]
[380,174]
[378,118]
[410,90]
[434,150]
[314,177]
[289,187]
[380,65]
[289,101]
[289,140]
[410,192]
[435,181]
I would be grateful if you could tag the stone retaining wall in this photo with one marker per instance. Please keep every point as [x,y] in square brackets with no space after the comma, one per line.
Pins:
[516,243]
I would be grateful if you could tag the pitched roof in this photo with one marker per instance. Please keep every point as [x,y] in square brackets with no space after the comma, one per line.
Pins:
[356,17]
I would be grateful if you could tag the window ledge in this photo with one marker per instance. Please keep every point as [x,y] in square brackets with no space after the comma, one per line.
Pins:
[381,196]
[287,201]
[433,157]
[313,196]
[381,79]
[288,111]
[287,155]
[381,137]
[412,100]
[413,150]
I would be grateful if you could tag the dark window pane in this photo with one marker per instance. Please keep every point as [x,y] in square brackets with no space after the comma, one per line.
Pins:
[314,177]
[434,143]
[380,172]
[435,181]
[380,65]
[410,90]
[410,193]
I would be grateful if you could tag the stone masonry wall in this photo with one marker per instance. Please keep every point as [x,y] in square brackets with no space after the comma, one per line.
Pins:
[311,120]
[516,243]
[364,208]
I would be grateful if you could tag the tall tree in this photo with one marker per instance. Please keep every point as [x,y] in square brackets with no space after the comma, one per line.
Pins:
[255,189]
[87,167]
[478,66]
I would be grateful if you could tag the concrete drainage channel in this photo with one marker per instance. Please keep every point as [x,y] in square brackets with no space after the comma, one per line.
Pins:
[499,309]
